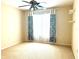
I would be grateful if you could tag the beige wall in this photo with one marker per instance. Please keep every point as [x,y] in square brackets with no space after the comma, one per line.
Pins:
[25,26]
[11,26]
[75,28]
[64,27]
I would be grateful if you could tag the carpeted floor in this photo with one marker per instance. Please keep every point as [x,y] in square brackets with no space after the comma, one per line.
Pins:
[37,51]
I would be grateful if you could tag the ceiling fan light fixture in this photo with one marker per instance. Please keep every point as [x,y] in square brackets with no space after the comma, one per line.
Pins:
[34,5]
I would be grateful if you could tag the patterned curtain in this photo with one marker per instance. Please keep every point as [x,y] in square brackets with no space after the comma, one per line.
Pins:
[30,27]
[52,28]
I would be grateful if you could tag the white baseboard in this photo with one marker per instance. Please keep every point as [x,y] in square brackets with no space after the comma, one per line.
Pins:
[11,46]
[51,43]
[63,44]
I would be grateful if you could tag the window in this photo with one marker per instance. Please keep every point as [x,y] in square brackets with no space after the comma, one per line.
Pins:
[41,27]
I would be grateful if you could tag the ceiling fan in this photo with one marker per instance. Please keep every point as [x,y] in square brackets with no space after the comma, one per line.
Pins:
[33,4]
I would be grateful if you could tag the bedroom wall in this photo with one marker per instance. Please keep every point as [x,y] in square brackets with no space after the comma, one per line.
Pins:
[25,26]
[11,26]
[63,27]
[75,28]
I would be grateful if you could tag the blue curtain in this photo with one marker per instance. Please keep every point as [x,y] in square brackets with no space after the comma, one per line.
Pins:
[53,28]
[30,27]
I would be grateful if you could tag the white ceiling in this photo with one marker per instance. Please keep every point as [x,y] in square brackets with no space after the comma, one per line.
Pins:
[49,3]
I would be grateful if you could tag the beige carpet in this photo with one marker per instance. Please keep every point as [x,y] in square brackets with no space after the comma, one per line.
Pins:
[37,51]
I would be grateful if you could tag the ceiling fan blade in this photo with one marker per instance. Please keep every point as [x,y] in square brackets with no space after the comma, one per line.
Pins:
[26,1]
[24,5]
[40,6]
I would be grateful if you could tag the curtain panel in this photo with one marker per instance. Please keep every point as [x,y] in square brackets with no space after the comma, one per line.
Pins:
[30,27]
[52,28]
